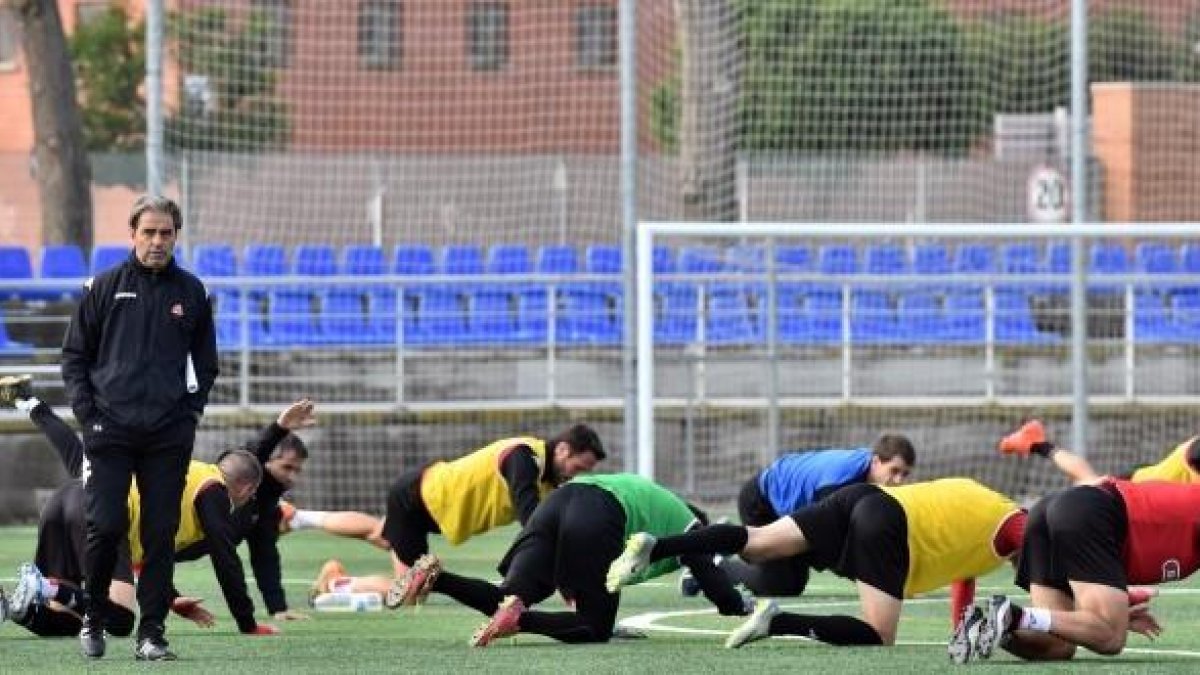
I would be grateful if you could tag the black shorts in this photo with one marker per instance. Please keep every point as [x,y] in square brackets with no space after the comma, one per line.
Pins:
[753,507]
[62,538]
[567,543]
[859,532]
[408,523]
[1075,535]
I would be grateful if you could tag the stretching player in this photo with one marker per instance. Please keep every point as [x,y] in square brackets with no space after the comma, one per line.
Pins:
[567,545]
[894,542]
[486,489]
[60,545]
[1181,465]
[1083,546]
[796,480]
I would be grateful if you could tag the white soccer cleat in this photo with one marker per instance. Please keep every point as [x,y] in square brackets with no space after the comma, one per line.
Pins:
[996,629]
[757,627]
[28,591]
[633,561]
[962,644]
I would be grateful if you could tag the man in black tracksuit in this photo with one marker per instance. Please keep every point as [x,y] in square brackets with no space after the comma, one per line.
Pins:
[139,359]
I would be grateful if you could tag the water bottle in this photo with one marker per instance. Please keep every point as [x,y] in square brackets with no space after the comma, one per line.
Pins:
[348,602]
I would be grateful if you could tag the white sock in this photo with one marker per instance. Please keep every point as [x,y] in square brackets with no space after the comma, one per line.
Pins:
[340,584]
[309,520]
[1036,619]
[26,405]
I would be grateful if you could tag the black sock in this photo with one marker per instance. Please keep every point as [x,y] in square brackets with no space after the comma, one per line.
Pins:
[70,596]
[1045,449]
[834,630]
[45,622]
[120,621]
[474,593]
[562,626]
[1014,616]
[728,539]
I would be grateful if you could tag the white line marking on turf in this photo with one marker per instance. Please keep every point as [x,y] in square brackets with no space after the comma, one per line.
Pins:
[649,622]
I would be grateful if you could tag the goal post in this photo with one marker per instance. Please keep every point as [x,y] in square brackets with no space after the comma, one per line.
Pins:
[902,339]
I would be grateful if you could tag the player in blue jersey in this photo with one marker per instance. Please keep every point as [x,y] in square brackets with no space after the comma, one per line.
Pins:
[799,479]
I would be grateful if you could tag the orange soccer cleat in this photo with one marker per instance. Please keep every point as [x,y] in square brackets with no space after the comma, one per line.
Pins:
[331,570]
[1024,440]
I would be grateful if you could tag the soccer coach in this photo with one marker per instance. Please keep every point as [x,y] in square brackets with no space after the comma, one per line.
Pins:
[138,360]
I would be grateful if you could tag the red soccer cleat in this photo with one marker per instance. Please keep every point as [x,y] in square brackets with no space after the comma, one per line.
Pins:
[505,622]
[1022,441]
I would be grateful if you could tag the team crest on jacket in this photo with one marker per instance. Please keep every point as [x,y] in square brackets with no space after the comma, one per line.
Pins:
[1171,570]
[177,309]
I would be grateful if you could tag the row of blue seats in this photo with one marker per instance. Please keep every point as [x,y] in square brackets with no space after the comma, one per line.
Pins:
[684,313]
[220,260]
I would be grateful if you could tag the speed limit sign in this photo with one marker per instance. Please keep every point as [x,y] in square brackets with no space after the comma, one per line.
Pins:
[1049,196]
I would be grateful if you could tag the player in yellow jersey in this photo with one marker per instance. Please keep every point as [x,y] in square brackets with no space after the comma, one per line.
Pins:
[894,542]
[488,488]
[49,605]
[1181,465]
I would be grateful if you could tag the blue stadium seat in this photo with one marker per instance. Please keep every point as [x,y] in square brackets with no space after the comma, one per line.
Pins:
[264,260]
[508,259]
[63,261]
[291,319]
[965,319]
[872,317]
[1153,321]
[1155,258]
[1018,260]
[1108,259]
[413,260]
[920,318]
[676,312]
[214,260]
[15,265]
[975,259]
[1185,310]
[462,259]
[106,257]
[1189,264]
[794,258]
[746,259]
[931,260]
[1014,321]
[558,259]
[8,346]
[663,260]
[346,319]
[364,260]
[315,260]
[887,259]
[810,315]
[734,315]
[838,259]
[603,259]
[437,317]
[181,257]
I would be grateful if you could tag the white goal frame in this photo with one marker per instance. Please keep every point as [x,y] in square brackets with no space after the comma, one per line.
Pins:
[648,231]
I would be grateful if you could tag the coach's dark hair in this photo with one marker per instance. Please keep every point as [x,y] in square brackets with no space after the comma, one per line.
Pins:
[241,466]
[581,438]
[895,445]
[156,204]
[291,443]
[1192,454]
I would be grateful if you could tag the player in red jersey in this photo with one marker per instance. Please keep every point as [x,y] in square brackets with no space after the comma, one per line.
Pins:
[1083,547]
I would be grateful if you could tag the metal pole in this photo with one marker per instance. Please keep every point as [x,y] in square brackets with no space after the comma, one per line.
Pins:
[1079,199]
[627,38]
[154,111]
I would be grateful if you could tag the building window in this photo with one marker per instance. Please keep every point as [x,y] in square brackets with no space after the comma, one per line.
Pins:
[276,35]
[487,35]
[380,34]
[596,37]
[90,10]
[10,38]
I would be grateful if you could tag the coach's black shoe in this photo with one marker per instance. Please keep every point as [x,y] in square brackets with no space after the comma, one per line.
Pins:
[153,649]
[15,387]
[91,638]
